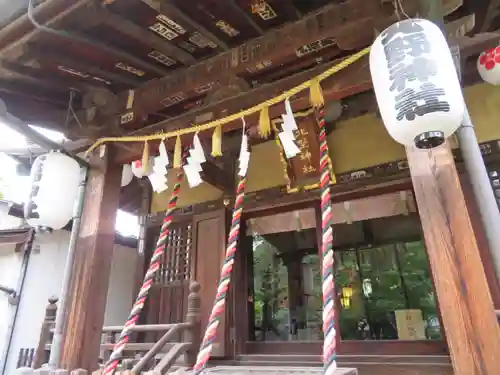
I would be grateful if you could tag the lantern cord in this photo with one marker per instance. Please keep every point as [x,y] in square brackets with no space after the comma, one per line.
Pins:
[235,116]
[329,343]
[154,266]
[224,281]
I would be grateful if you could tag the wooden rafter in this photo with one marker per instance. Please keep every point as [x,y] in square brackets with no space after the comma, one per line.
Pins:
[40,77]
[134,31]
[351,22]
[350,81]
[236,8]
[166,7]
[48,54]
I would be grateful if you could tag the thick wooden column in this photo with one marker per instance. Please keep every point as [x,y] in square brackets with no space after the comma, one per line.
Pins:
[92,267]
[467,312]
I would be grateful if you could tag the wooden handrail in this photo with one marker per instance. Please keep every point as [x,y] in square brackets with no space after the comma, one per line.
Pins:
[171,351]
[169,359]
[147,327]
[157,348]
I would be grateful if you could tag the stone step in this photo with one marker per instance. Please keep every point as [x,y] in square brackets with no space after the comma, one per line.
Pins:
[342,360]
[269,370]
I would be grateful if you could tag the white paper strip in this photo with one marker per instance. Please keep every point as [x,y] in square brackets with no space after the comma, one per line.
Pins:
[197,152]
[192,175]
[289,124]
[163,154]
[289,146]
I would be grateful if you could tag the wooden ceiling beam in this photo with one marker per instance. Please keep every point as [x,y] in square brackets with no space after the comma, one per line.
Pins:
[42,78]
[120,54]
[351,23]
[49,54]
[241,12]
[22,29]
[168,9]
[136,32]
[352,80]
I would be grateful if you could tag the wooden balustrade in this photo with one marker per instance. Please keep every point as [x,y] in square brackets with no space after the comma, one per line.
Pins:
[42,353]
[157,356]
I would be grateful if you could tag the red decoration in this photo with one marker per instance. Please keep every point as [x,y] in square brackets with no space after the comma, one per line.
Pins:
[490,58]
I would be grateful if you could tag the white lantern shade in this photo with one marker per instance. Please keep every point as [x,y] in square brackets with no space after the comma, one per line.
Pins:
[127,175]
[55,179]
[137,169]
[415,81]
[488,66]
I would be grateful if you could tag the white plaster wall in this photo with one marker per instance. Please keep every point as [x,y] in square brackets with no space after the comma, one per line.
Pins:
[44,278]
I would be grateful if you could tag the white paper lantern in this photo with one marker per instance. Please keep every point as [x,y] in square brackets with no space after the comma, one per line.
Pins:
[488,66]
[127,175]
[416,84]
[54,188]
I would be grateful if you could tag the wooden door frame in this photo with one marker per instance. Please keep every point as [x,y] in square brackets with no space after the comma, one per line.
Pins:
[223,330]
[375,347]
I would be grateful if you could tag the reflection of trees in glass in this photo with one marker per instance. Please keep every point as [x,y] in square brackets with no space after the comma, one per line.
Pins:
[270,286]
[399,278]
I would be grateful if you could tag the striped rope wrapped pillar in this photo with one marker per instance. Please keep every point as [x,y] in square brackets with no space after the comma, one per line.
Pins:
[154,266]
[224,281]
[329,344]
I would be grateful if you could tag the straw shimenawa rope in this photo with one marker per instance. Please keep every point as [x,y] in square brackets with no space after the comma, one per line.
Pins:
[311,84]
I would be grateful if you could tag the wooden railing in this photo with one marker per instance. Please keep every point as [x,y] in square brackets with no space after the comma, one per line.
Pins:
[178,339]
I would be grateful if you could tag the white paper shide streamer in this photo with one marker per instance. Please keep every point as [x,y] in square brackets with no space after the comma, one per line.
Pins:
[287,136]
[196,158]
[158,175]
[244,158]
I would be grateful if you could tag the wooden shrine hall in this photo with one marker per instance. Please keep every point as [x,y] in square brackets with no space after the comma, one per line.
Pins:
[415,270]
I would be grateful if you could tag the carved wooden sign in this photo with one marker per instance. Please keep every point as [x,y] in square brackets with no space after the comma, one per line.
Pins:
[303,169]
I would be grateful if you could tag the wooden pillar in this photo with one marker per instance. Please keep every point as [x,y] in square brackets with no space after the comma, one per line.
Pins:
[92,266]
[142,242]
[482,241]
[469,321]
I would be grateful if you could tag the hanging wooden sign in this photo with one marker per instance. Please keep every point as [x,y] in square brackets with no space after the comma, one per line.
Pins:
[303,170]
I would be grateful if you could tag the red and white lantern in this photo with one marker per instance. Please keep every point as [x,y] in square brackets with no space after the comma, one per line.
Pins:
[488,65]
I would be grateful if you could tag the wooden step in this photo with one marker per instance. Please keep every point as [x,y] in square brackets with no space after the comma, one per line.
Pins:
[342,360]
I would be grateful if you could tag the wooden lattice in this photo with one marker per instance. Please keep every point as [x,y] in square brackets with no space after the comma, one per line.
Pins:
[176,262]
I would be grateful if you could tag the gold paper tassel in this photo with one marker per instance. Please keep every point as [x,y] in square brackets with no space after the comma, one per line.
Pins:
[264,122]
[178,152]
[217,142]
[316,94]
[145,157]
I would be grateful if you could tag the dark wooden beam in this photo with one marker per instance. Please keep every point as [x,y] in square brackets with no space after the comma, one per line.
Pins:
[55,17]
[134,31]
[52,81]
[32,92]
[122,55]
[351,22]
[237,9]
[218,177]
[350,81]
[49,54]
[167,8]
[92,265]
[353,79]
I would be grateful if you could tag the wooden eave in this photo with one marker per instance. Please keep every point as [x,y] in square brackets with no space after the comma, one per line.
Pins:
[265,55]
